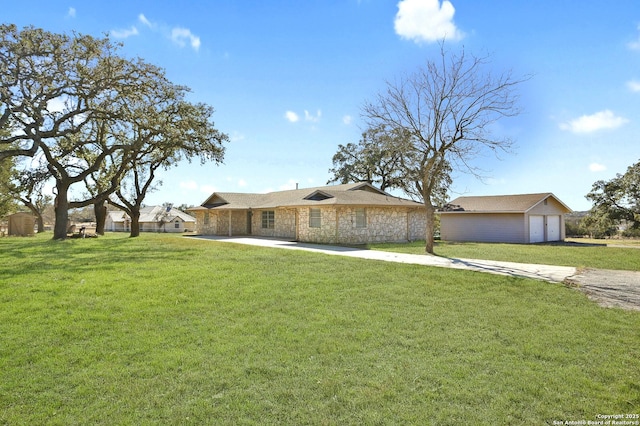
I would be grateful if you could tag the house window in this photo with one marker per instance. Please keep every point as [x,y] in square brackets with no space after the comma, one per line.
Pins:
[268,219]
[206,218]
[361,218]
[177,224]
[315,218]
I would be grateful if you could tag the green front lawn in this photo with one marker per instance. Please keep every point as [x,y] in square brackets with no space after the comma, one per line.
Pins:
[163,329]
[591,255]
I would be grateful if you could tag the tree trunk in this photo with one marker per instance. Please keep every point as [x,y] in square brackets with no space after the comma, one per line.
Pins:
[100,211]
[37,214]
[431,212]
[135,222]
[62,212]
[40,222]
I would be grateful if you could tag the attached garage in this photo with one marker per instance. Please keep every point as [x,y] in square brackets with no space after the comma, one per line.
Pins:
[524,218]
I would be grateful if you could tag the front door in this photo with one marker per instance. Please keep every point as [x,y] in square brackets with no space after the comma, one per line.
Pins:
[249,216]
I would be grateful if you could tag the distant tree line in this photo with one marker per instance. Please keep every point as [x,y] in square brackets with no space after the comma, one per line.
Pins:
[616,207]
[100,126]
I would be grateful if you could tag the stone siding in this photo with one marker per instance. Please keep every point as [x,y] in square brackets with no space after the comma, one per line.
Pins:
[284,224]
[218,222]
[206,222]
[338,225]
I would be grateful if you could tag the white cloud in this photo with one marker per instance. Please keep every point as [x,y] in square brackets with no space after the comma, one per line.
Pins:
[72,12]
[143,20]
[242,183]
[181,36]
[207,189]
[236,136]
[291,116]
[312,118]
[347,119]
[124,33]
[426,21]
[189,185]
[597,167]
[590,123]
[634,85]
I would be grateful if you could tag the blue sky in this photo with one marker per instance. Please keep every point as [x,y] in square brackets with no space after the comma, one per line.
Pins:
[288,79]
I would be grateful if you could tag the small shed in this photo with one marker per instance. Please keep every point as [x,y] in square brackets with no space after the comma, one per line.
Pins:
[21,224]
[524,218]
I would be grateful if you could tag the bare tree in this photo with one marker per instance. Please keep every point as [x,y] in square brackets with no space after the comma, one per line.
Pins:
[447,109]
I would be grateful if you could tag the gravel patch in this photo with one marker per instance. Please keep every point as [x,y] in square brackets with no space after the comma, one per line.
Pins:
[611,289]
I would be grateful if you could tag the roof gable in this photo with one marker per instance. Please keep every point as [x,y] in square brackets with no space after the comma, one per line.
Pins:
[215,200]
[318,196]
[365,186]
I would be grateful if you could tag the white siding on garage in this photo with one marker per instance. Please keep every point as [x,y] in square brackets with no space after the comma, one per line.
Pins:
[504,228]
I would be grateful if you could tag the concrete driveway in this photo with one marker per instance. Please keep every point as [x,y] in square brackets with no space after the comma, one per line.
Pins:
[539,272]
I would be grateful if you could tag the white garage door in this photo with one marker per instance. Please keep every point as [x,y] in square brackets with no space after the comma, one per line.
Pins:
[536,229]
[553,228]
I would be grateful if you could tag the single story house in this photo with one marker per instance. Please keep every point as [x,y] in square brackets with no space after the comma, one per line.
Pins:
[525,218]
[152,219]
[354,213]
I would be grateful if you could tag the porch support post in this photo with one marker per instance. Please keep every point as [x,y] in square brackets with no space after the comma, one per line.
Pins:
[230,223]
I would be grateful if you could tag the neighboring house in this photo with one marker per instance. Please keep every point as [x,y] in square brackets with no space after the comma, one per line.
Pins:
[117,221]
[152,219]
[527,218]
[355,213]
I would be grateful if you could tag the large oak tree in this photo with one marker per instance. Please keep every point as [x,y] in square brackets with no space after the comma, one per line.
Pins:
[70,101]
[617,199]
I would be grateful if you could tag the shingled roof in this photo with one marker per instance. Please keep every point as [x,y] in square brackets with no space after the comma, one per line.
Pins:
[520,203]
[362,194]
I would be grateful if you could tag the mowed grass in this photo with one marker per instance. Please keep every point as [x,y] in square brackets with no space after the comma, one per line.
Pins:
[163,329]
[580,255]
